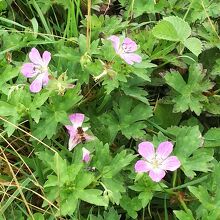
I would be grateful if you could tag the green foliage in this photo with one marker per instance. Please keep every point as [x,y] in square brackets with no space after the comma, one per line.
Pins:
[189,149]
[130,117]
[172,94]
[189,95]
[176,29]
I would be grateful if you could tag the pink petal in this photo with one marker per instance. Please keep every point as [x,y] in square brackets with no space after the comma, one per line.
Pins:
[157,174]
[46,57]
[45,79]
[129,45]
[164,149]
[115,41]
[35,57]
[131,58]
[171,163]
[77,119]
[71,130]
[88,137]
[86,155]
[141,166]
[27,70]
[37,84]
[73,141]
[146,150]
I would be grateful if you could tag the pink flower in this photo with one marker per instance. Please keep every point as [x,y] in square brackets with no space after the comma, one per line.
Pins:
[37,68]
[125,49]
[156,163]
[86,155]
[76,131]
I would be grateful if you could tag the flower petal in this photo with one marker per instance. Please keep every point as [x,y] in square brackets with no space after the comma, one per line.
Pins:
[129,45]
[86,155]
[71,130]
[171,163]
[46,57]
[146,150]
[115,42]
[45,79]
[77,119]
[131,58]
[141,166]
[37,84]
[157,174]
[35,57]
[164,149]
[28,71]
[73,141]
[88,137]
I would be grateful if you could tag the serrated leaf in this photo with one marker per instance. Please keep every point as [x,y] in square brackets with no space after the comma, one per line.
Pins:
[173,29]
[194,45]
[93,196]
[189,150]
[120,161]
[165,30]
[182,27]
[131,116]
[116,189]
[212,138]
[189,96]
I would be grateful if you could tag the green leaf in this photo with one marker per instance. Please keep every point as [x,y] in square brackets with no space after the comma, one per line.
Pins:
[131,205]
[84,179]
[131,116]
[194,45]
[120,161]
[69,201]
[189,150]
[93,196]
[175,80]
[145,197]
[189,95]
[173,29]
[111,214]
[181,215]
[115,189]
[182,27]
[7,109]
[9,73]
[164,116]
[201,193]
[165,30]
[37,216]
[212,138]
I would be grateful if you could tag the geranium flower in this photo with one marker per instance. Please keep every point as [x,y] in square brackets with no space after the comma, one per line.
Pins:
[76,131]
[37,68]
[156,163]
[125,49]
[86,155]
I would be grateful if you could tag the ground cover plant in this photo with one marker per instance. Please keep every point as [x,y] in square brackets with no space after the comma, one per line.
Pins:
[109,109]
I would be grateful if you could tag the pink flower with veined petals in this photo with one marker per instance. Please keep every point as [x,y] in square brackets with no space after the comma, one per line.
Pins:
[37,68]
[76,131]
[126,49]
[86,155]
[156,163]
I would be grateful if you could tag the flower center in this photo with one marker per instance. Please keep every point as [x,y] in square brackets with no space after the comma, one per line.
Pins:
[126,48]
[155,163]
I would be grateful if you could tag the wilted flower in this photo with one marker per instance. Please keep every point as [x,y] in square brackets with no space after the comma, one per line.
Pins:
[61,84]
[86,155]
[156,163]
[126,49]
[76,131]
[37,68]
